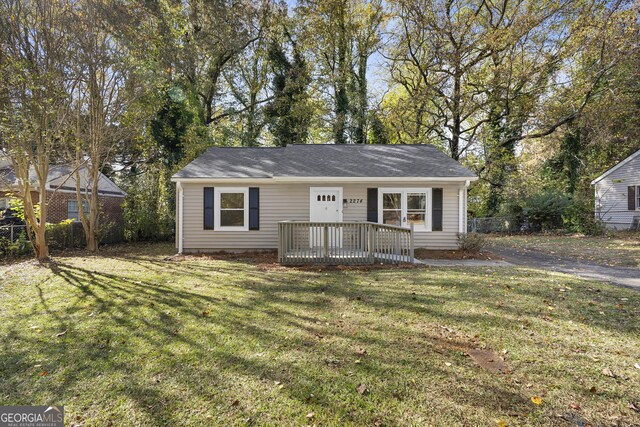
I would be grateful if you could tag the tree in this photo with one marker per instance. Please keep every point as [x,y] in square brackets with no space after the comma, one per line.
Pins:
[469,63]
[289,114]
[34,88]
[104,91]
[369,18]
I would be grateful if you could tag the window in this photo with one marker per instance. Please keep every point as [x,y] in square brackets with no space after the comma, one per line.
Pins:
[405,207]
[417,209]
[4,203]
[72,209]
[232,209]
[638,197]
[392,208]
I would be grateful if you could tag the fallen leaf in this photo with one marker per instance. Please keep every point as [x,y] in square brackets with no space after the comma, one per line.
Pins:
[575,406]
[537,400]
[311,415]
[607,372]
[362,389]
[61,333]
[637,365]
[501,423]
[44,374]
[205,314]
[593,389]
[447,363]
[235,403]
[361,351]
[633,407]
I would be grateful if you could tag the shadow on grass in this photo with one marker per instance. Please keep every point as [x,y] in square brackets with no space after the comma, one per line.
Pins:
[230,329]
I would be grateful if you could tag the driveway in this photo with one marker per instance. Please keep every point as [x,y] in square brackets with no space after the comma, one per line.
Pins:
[622,276]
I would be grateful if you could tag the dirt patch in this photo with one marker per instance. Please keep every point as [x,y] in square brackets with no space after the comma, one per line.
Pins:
[422,253]
[268,261]
[489,360]
[448,339]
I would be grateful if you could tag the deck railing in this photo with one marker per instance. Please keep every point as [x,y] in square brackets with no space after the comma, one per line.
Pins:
[305,242]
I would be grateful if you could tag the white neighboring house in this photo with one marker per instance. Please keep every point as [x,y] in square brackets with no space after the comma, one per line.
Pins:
[233,198]
[617,194]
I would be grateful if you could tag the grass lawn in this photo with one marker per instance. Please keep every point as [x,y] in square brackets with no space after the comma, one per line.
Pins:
[616,249]
[132,337]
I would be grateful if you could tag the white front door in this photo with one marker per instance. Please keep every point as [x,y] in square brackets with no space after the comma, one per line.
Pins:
[325,206]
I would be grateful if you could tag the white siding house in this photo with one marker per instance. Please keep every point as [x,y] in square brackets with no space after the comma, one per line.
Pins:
[617,194]
[235,198]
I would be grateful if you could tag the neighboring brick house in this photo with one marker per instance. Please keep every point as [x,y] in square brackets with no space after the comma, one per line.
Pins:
[61,194]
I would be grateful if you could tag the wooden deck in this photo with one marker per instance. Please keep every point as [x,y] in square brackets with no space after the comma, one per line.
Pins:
[349,243]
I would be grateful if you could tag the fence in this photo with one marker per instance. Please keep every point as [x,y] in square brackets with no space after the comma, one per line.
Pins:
[508,225]
[11,233]
[493,225]
[59,236]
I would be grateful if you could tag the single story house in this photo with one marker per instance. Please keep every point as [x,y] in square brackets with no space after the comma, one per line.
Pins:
[617,194]
[234,198]
[61,193]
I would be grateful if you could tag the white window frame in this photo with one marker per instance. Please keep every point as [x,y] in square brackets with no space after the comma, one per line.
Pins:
[218,208]
[403,202]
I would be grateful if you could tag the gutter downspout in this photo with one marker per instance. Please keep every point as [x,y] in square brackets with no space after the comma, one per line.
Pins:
[462,205]
[180,217]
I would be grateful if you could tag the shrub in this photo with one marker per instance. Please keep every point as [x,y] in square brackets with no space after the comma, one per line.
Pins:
[579,217]
[472,242]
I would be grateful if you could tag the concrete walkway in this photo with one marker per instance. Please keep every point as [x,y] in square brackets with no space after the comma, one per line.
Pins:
[621,276]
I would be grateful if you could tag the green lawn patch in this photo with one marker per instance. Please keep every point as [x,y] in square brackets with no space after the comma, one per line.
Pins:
[146,340]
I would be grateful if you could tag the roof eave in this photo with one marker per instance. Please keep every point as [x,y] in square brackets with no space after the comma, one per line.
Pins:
[289,179]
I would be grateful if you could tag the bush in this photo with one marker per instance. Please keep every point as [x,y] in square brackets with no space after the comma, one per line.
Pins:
[472,242]
[63,235]
[579,218]
[541,211]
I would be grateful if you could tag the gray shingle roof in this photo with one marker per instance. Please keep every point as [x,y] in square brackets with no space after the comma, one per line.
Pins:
[315,160]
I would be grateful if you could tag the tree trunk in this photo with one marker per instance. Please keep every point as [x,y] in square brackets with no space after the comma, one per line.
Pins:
[342,97]
[360,136]
[456,113]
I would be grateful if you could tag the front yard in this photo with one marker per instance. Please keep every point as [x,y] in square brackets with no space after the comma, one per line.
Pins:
[621,249]
[133,337]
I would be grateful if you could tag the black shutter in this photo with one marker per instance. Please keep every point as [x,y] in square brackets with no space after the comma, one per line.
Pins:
[631,197]
[436,209]
[372,204]
[208,208]
[254,208]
